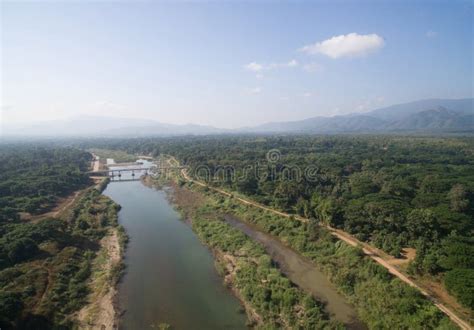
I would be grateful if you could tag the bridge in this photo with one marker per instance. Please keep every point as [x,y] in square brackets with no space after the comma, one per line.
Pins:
[118,172]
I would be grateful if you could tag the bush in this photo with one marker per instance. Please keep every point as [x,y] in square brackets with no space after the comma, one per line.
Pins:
[21,250]
[460,282]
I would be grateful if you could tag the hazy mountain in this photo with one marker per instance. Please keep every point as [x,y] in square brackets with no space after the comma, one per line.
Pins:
[401,111]
[164,129]
[108,126]
[435,119]
[322,124]
[426,115]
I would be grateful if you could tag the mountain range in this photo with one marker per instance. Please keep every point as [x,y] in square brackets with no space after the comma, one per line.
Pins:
[424,115]
[433,115]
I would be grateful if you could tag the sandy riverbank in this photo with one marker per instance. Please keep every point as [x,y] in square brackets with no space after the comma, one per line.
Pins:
[101,310]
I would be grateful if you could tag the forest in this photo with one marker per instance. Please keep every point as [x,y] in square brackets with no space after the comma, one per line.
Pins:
[390,191]
[34,176]
[45,263]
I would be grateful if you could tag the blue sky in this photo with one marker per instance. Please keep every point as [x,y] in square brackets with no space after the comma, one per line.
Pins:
[230,64]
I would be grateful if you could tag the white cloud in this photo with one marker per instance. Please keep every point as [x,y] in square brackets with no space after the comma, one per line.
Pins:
[292,63]
[307,94]
[348,45]
[312,67]
[431,34]
[289,64]
[254,66]
[255,90]
[258,68]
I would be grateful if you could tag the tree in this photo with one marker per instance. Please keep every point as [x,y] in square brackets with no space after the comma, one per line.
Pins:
[362,184]
[422,223]
[460,282]
[21,249]
[458,198]
[456,252]
[303,208]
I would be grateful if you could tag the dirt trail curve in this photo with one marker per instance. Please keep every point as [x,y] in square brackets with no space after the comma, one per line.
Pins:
[374,253]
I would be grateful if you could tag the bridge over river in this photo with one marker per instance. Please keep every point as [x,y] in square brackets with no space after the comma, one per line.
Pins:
[117,172]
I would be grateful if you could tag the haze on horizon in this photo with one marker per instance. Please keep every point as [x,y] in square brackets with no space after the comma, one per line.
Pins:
[229,64]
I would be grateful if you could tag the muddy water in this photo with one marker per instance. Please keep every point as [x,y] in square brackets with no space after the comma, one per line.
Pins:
[303,273]
[170,276]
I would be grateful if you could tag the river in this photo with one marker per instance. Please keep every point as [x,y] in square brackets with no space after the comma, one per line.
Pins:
[170,276]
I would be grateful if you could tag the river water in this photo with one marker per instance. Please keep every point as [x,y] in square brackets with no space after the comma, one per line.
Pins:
[170,276]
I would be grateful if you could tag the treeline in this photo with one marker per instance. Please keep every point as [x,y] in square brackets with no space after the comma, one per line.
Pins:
[32,177]
[391,191]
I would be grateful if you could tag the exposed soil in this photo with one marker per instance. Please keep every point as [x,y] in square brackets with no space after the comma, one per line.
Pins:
[437,290]
[62,205]
[101,310]
[408,254]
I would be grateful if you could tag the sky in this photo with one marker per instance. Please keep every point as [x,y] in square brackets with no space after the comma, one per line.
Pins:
[229,64]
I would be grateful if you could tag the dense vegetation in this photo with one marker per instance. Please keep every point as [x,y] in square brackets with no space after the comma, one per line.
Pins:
[32,177]
[277,302]
[45,265]
[381,300]
[391,191]
[45,262]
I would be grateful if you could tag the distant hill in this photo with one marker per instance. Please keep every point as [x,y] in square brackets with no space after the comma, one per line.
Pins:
[322,124]
[110,127]
[400,111]
[164,129]
[434,115]
[426,115]
[436,119]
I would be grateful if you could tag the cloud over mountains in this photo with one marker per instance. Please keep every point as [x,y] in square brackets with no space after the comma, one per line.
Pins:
[348,45]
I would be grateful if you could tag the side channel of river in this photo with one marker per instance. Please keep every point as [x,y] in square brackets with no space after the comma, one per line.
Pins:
[303,273]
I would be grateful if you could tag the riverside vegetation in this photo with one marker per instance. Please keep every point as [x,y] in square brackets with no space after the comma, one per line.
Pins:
[271,300]
[45,264]
[391,191]
[381,300]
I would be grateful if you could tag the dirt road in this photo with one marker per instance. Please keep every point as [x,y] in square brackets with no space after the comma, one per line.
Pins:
[372,252]
[95,163]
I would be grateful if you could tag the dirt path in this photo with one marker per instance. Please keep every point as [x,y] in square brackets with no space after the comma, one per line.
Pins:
[100,312]
[95,163]
[63,205]
[374,253]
